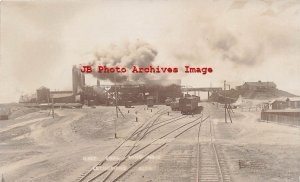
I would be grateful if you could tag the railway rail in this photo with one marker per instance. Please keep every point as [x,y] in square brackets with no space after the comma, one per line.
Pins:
[137,148]
[85,175]
[152,147]
[211,166]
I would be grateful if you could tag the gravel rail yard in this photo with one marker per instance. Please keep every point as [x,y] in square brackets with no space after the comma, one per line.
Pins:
[163,145]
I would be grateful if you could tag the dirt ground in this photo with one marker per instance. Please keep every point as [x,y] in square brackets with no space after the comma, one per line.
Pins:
[36,147]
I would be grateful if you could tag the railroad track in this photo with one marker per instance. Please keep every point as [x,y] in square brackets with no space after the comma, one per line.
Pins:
[139,108]
[130,155]
[211,166]
[109,157]
[155,145]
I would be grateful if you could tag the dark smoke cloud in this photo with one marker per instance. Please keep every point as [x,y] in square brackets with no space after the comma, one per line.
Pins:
[138,53]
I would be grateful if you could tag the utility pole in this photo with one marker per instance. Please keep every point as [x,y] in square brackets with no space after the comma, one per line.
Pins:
[52,108]
[49,105]
[116,103]
[52,105]
[225,106]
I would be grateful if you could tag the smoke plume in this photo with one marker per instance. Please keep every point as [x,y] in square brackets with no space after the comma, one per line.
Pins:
[126,55]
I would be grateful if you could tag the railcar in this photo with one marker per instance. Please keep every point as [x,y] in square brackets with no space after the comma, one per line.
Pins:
[168,101]
[175,105]
[189,105]
[128,103]
[150,101]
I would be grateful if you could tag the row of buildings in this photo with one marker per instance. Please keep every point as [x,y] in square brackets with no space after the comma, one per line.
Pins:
[284,110]
[257,86]
[97,94]
[44,95]
[284,103]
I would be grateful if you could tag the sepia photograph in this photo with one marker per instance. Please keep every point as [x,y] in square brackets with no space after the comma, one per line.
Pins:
[149,91]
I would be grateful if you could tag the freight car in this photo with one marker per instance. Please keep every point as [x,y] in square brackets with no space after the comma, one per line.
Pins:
[150,101]
[175,105]
[196,97]
[128,103]
[189,105]
[168,101]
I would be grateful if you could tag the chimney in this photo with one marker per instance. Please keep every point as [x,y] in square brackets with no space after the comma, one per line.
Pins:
[82,79]
[75,80]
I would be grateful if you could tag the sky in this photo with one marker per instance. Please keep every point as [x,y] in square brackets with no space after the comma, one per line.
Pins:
[241,40]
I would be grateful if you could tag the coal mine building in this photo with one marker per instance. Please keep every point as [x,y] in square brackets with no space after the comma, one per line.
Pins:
[42,94]
[279,104]
[63,96]
[257,86]
[284,103]
[293,103]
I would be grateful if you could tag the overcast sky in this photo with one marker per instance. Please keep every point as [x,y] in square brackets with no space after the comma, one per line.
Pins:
[242,40]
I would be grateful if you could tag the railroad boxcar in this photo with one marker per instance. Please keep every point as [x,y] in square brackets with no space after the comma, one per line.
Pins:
[175,105]
[188,105]
[168,101]
[128,103]
[150,101]
[196,97]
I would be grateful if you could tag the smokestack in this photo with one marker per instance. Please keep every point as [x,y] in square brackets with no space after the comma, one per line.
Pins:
[83,79]
[74,80]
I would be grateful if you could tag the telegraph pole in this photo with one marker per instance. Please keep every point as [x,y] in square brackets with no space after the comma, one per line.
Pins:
[52,108]
[52,105]
[116,103]
[225,106]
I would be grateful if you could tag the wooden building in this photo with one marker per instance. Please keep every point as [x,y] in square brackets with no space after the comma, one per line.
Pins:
[257,86]
[287,116]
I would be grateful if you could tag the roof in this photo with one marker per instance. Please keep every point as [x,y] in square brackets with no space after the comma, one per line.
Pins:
[43,88]
[294,98]
[164,82]
[281,101]
[284,99]
[259,84]
[61,95]
[62,92]
[283,111]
